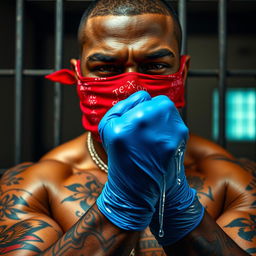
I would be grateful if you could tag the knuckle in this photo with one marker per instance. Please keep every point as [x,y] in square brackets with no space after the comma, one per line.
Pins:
[184,131]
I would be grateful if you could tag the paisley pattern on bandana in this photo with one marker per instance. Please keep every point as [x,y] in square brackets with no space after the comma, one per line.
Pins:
[98,95]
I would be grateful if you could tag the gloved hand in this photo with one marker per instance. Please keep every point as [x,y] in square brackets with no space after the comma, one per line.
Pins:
[182,209]
[140,135]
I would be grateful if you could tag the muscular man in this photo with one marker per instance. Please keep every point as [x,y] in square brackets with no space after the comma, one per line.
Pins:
[49,207]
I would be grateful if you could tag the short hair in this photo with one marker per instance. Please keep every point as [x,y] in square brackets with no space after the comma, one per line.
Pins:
[129,8]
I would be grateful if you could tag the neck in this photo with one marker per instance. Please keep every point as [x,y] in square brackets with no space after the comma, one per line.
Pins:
[100,150]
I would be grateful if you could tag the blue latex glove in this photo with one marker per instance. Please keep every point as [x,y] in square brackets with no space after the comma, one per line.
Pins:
[182,209]
[140,135]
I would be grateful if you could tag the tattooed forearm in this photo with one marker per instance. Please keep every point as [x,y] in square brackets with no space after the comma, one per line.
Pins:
[150,247]
[88,235]
[207,239]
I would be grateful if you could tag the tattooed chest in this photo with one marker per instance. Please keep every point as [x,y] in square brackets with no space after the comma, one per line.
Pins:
[210,192]
[74,198]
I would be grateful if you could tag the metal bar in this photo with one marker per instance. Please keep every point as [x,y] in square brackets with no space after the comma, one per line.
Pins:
[193,72]
[18,80]
[57,66]
[26,72]
[182,10]
[222,15]
[229,73]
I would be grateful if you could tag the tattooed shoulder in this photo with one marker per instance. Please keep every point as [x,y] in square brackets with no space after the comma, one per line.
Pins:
[12,175]
[198,183]
[246,164]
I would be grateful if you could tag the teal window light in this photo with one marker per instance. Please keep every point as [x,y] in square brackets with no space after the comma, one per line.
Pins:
[240,114]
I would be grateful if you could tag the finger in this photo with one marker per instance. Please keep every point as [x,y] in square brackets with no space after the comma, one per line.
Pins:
[123,106]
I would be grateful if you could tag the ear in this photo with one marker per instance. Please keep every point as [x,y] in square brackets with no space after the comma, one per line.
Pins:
[186,68]
[73,63]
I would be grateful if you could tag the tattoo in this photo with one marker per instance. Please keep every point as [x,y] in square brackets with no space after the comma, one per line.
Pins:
[86,194]
[251,250]
[247,227]
[149,243]
[155,252]
[91,225]
[21,236]
[10,176]
[150,247]
[198,184]
[8,207]
[216,245]
[248,166]
[245,164]
[251,187]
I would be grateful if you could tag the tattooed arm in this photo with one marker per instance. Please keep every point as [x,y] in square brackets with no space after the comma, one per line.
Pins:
[27,225]
[94,235]
[225,178]
[22,227]
[207,239]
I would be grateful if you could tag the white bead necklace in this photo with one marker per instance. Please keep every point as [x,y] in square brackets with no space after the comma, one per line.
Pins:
[94,155]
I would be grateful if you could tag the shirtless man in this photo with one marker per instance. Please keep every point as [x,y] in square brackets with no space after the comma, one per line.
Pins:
[49,207]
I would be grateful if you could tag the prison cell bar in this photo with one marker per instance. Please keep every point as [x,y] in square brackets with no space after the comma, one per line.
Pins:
[222,15]
[182,12]
[18,80]
[58,64]
[19,72]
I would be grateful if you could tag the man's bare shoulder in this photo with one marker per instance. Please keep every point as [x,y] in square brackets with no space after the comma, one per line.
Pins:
[207,157]
[35,174]
[73,152]
[199,148]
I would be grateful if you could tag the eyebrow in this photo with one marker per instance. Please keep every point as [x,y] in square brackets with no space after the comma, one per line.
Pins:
[159,54]
[101,57]
[107,58]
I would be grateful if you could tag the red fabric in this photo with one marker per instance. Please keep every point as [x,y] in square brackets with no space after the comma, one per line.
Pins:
[98,95]
[64,76]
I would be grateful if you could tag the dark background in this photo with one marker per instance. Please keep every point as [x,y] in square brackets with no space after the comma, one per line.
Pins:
[37,130]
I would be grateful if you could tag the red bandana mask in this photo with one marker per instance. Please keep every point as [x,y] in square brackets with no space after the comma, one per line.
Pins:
[98,95]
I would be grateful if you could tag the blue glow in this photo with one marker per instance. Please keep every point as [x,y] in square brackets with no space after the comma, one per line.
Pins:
[240,114]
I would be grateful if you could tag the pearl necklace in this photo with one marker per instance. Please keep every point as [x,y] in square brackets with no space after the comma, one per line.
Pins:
[94,155]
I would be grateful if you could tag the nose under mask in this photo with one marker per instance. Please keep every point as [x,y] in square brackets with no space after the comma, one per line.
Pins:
[98,94]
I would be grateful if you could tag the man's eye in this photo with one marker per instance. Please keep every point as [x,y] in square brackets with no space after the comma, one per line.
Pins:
[154,67]
[107,69]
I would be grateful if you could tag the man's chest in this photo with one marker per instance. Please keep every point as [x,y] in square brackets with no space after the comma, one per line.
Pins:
[77,193]
[74,196]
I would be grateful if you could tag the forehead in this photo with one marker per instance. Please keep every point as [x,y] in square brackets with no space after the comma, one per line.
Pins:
[139,32]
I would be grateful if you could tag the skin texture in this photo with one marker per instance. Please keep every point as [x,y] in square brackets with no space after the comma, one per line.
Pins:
[44,207]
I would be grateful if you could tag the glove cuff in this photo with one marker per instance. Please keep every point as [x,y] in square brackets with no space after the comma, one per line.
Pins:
[178,224]
[123,213]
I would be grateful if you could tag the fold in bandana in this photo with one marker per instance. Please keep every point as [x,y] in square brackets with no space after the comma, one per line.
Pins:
[98,94]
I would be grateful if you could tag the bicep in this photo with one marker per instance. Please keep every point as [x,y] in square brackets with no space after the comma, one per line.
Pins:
[25,225]
[241,227]
[28,236]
